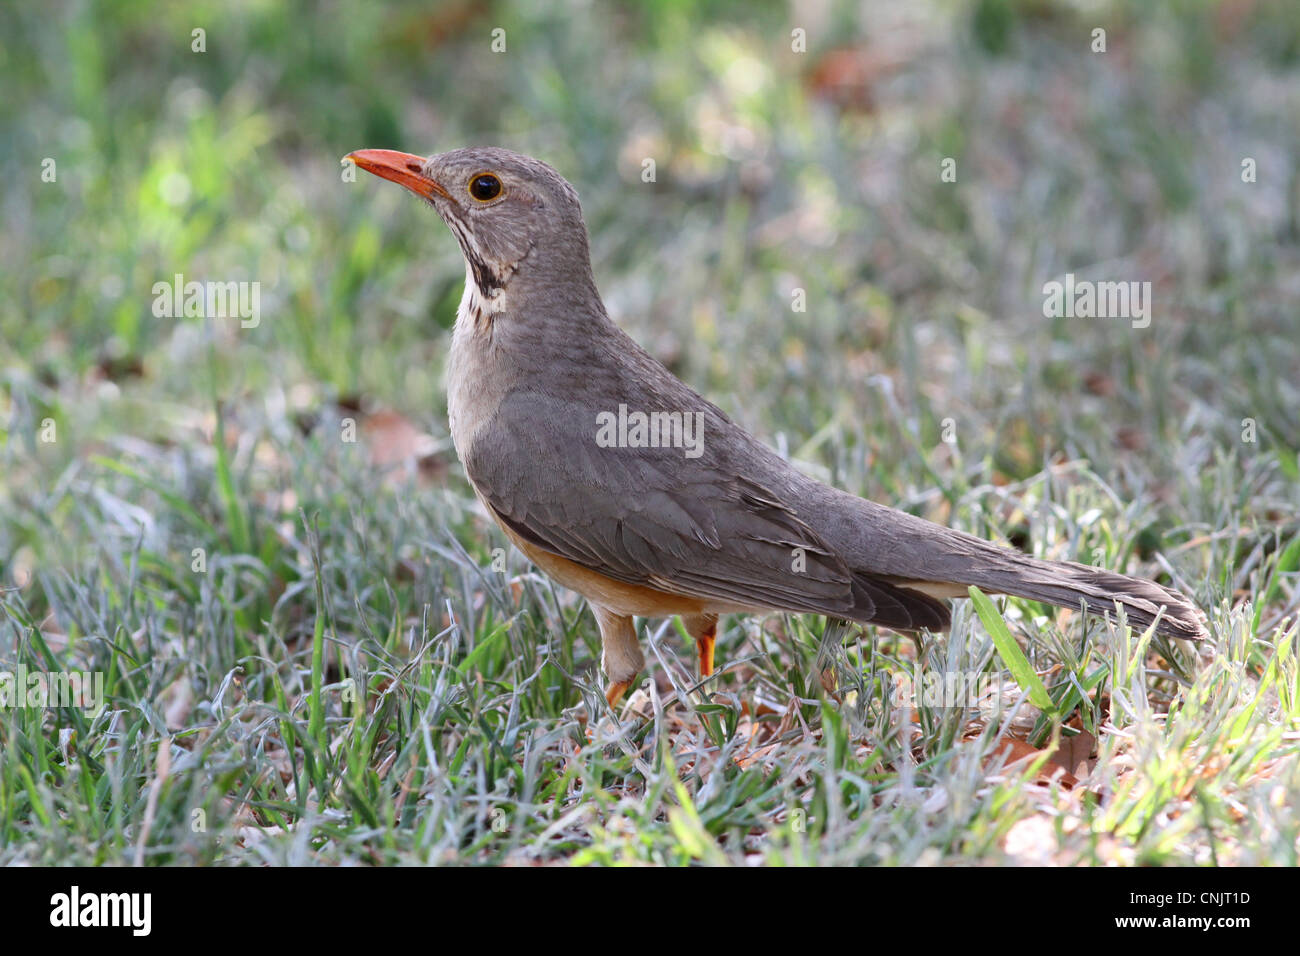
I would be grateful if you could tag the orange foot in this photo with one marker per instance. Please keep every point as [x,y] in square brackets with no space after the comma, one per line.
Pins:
[704,644]
[616,691]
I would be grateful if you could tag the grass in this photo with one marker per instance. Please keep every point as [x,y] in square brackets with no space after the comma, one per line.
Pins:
[319,651]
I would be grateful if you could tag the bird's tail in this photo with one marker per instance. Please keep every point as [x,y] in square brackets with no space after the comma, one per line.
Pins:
[942,563]
[1067,584]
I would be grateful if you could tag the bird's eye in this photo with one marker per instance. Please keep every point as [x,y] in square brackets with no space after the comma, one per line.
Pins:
[485,187]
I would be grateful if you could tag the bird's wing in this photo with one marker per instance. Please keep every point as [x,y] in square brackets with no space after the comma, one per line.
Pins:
[658,518]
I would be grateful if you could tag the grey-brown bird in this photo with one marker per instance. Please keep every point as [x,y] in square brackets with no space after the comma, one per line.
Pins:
[623,484]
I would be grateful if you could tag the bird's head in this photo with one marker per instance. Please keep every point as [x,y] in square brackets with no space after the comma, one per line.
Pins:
[505,209]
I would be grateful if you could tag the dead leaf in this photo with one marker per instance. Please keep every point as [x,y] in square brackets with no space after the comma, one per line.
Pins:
[391,439]
[1018,754]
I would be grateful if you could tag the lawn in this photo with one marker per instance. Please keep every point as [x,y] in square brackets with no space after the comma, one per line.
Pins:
[836,222]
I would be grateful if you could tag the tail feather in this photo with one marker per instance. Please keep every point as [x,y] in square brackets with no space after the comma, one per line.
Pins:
[1068,584]
[939,562]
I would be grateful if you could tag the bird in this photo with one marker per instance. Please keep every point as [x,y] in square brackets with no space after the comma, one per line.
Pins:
[621,483]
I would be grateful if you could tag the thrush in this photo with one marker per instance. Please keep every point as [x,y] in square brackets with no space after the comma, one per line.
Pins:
[621,483]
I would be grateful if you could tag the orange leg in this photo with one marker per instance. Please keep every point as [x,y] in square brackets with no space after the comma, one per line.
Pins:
[704,628]
[617,689]
[705,647]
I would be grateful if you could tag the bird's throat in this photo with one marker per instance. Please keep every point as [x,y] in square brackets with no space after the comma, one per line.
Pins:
[488,283]
[481,301]
[477,269]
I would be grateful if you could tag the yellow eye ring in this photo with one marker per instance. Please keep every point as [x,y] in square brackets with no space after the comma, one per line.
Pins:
[485,187]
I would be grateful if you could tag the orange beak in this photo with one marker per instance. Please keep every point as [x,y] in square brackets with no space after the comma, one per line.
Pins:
[405,169]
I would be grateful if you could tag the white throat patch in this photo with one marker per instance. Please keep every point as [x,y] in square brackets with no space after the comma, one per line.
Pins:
[474,305]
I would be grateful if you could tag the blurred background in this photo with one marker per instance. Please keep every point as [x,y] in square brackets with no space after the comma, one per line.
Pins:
[775,170]
[796,146]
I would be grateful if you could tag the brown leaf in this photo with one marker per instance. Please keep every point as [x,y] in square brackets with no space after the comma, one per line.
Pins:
[848,76]
[1019,754]
[1075,753]
[393,441]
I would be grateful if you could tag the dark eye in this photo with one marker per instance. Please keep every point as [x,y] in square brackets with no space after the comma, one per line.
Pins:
[485,187]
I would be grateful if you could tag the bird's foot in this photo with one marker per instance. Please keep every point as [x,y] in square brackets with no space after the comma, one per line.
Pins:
[614,693]
[704,645]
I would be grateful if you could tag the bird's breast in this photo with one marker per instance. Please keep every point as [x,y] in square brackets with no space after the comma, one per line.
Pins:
[476,378]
